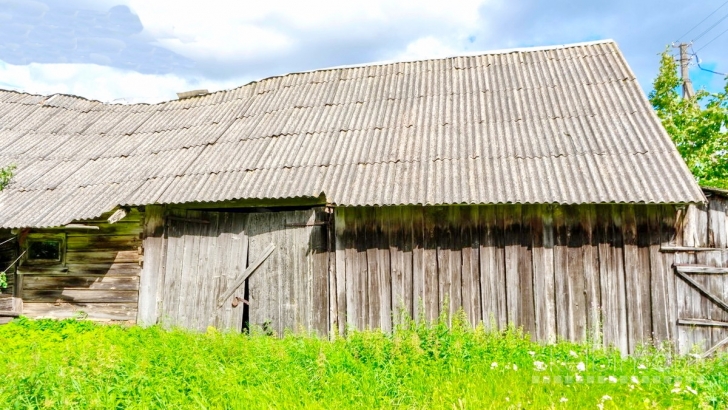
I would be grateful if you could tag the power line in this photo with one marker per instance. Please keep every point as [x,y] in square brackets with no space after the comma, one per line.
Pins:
[714,38]
[697,61]
[710,28]
[701,22]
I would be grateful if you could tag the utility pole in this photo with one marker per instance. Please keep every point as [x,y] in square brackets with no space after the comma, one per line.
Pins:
[687,88]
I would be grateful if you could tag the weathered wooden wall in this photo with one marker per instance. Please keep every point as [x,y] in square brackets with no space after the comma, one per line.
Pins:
[566,272]
[701,250]
[194,260]
[8,253]
[98,278]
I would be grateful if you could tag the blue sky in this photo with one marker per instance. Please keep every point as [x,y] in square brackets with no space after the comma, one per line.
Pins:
[146,50]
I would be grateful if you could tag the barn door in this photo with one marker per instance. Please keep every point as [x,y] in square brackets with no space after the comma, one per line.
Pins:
[702,293]
[290,288]
[206,252]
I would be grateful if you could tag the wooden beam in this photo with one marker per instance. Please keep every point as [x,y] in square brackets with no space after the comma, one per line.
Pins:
[239,280]
[117,216]
[713,298]
[701,322]
[714,348]
[703,269]
[688,249]
[192,220]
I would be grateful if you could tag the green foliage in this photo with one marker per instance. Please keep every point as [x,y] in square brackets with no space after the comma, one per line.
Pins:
[5,175]
[697,125]
[77,364]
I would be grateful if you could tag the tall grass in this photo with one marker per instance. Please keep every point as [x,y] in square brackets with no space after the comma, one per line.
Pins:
[77,364]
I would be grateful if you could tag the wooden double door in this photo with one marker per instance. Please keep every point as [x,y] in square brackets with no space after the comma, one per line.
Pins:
[231,269]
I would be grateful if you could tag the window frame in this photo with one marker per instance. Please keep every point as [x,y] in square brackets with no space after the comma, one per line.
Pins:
[45,237]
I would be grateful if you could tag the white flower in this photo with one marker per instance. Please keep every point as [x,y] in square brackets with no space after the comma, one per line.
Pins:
[691,390]
[564,400]
[508,399]
[539,366]
[562,363]
[676,390]
[573,353]
[605,398]
[635,380]
[612,379]
[631,386]
[515,367]
[507,367]
[581,367]
[601,365]
[493,365]
[642,367]
[600,406]
[578,377]
[532,353]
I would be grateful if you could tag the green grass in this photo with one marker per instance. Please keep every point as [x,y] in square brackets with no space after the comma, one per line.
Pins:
[77,364]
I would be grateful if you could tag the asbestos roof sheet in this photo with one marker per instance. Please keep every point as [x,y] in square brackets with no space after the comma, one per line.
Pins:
[566,124]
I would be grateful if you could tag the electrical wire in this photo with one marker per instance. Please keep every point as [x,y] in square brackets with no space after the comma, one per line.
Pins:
[701,22]
[697,62]
[710,28]
[714,38]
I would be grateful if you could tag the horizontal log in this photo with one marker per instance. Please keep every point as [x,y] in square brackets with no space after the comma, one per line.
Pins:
[93,242]
[115,269]
[81,282]
[80,295]
[102,256]
[94,311]
[701,322]
[701,269]
[689,249]
[9,314]
[709,295]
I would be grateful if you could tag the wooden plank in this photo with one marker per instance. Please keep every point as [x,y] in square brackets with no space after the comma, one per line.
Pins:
[189,278]
[590,251]
[418,264]
[395,227]
[564,314]
[173,273]
[102,257]
[685,307]
[526,309]
[341,318]
[714,284]
[543,273]
[79,295]
[352,247]
[318,261]
[232,245]
[705,292]
[152,274]
[202,315]
[117,269]
[611,275]
[687,249]
[383,272]
[492,268]
[667,233]
[361,276]
[431,289]
[448,272]
[717,235]
[660,275]
[81,282]
[701,322]
[702,269]
[470,244]
[265,287]
[512,245]
[715,348]
[373,304]
[92,311]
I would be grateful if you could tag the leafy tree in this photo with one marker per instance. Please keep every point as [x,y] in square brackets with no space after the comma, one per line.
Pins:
[697,125]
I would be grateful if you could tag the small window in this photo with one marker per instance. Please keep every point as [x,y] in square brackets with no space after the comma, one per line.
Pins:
[44,250]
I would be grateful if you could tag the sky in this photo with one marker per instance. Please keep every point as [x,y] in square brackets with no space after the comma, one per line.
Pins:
[130,51]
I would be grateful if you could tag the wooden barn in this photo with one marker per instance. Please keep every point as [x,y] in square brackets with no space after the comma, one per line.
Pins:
[531,186]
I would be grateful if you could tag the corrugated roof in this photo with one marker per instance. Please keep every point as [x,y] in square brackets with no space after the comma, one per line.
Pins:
[566,124]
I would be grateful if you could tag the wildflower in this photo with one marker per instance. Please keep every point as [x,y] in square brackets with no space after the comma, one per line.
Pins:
[691,390]
[493,365]
[581,367]
[642,367]
[562,363]
[564,400]
[605,398]
[508,399]
[578,377]
[676,390]
[600,406]
[539,366]
[515,367]
[635,380]
[573,353]
[532,353]
[612,379]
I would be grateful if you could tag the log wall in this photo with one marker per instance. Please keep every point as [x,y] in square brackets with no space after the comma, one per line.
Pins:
[8,253]
[98,278]
[591,272]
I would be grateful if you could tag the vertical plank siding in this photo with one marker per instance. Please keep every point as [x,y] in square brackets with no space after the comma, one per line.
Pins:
[591,272]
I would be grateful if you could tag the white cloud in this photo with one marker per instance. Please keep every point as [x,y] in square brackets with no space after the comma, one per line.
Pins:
[100,82]
[426,48]
[233,30]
